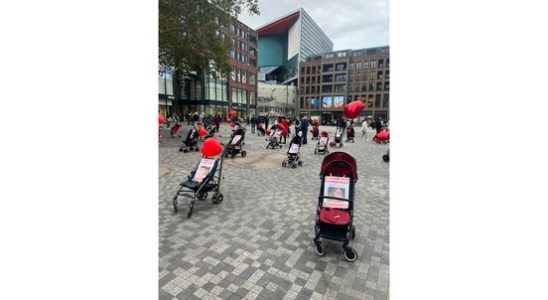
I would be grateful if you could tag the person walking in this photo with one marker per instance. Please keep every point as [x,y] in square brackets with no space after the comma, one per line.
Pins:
[217,122]
[253,122]
[304,129]
[364,130]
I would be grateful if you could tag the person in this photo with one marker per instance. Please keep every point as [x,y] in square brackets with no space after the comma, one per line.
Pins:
[342,125]
[195,118]
[378,124]
[285,122]
[364,129]
[217,121]
[266,121]
[304,129]
[253,122]
[188,119]
[168,121]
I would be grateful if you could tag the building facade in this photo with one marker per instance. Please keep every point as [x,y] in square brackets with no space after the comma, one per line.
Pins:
[287,41]
[237,91]
[329,81]
[276,99]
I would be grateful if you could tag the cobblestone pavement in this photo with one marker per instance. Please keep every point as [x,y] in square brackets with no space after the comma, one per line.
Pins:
[258,243]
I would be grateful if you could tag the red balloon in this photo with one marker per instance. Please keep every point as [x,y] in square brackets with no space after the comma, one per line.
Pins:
[161,119]
[268,132]
[232,124]
[315,123]
[202,132]
[353,109]
[232,113]
[211,148]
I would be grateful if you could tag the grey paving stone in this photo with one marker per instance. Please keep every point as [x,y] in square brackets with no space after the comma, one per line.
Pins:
[266,224]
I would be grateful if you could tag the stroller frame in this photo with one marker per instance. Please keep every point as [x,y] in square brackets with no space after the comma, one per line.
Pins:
[185,147]
[274,141]
[233,149]
[337,162]
[212,182]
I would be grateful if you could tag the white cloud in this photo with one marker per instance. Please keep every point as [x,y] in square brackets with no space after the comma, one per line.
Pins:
[350,24]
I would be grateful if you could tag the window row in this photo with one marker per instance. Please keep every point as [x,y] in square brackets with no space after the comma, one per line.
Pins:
[373,101]
[242,76]
[243,96]
[362,76]
[370,64]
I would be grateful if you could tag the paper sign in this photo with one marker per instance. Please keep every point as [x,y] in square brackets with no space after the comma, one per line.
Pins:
[294,149]
[204,168]
[236,139]
[338,187]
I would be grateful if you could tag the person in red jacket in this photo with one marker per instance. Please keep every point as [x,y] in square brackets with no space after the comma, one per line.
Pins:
[285,122]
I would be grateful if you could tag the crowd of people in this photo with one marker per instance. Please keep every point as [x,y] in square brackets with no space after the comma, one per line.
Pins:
[259,124]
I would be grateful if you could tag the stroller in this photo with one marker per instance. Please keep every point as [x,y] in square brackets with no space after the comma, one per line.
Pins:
[383,137]
[174,129]
[293,159]
[234,146]
[191,141]
[338,138]
[261,130]
[315,133]
[334,216]
[210,131]
[206,177]
[274,140]
[321,146]
[350,134]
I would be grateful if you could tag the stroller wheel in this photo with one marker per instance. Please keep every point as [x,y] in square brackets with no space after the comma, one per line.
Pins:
[294,165]
[284,163]
[281,146]
[350,255]
[175,205]
[243,153]
[217,198]
[196,149]
[189,214]
[319,249]
[353,233]
[385,158]
[180,149]
[300,163]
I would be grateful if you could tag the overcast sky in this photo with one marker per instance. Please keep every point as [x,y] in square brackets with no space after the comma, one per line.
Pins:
[350,24]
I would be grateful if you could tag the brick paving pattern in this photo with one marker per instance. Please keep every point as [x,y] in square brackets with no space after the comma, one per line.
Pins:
[258,243]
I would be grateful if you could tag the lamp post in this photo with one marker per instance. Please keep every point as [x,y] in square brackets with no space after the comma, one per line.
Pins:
[165,91]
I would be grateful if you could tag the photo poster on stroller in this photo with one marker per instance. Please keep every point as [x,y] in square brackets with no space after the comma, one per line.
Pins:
[236,139]
[323,141]
[294,149]
[205,166]
[338,187]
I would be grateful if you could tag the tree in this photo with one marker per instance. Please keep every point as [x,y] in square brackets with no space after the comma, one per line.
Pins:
[192,34]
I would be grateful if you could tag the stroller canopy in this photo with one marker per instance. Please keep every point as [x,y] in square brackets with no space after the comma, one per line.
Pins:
[339,164]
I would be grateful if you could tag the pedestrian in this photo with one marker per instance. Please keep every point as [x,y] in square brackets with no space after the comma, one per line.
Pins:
[253,122]
[364,130]
[304,129]
[168,121]
[266,121]
[378,124]
[195,118]
[217,121]
[188,118]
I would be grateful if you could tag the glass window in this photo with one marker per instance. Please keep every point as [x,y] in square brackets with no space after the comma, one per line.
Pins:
[252,78]
[372,75]
[385,101]
[378,101]
[244,77]
[233,74]
[358,65]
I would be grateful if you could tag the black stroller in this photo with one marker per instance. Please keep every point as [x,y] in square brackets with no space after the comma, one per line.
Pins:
[337,142]
[206,177]
[210,131]
[315,133]
[334,218]
[234,146]
[191,141]
[321,146]
[293,158]
[350,134]
[274,139]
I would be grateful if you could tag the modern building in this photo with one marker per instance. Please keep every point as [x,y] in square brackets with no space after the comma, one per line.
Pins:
[211,95]
[276,99]
[287,41]
[327,82]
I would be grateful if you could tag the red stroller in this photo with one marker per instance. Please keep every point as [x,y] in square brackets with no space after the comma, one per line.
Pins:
[334,217]
[174,129]
[383,137]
